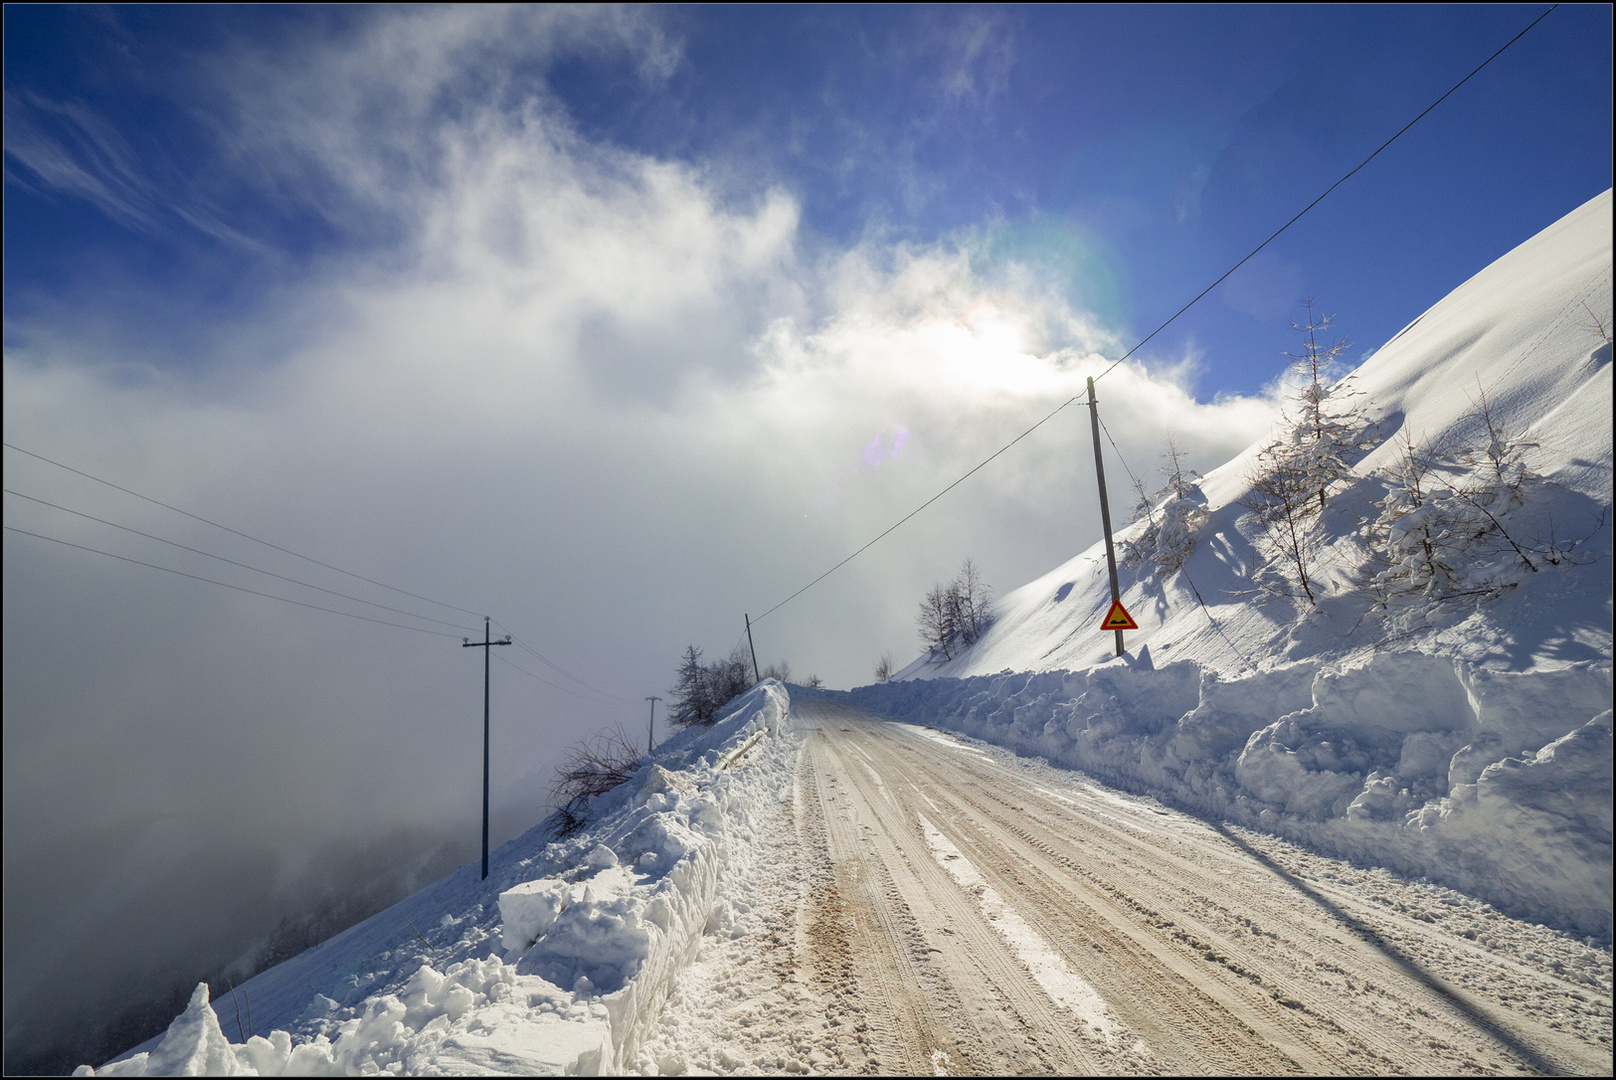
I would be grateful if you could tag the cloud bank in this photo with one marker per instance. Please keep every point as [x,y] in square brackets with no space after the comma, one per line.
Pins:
[599,396]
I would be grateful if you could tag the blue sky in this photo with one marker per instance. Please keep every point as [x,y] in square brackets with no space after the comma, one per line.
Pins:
[1132,154]
[620,325]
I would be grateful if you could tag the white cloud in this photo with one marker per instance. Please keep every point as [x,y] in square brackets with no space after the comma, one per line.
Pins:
[581,366]
[582,391]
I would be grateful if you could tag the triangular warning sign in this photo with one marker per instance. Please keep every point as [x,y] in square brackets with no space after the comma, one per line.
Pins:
[1118,618]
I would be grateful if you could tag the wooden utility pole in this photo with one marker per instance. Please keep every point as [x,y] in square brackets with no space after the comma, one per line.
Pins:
[1105,506]
[756,678]
[650,732]
[487,647]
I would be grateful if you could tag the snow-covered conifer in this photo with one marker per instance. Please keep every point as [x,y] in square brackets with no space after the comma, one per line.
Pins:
[691,696]
[1325,431]
[1415,539]
[1171,517]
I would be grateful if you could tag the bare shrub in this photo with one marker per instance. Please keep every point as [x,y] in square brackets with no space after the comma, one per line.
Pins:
[591,768]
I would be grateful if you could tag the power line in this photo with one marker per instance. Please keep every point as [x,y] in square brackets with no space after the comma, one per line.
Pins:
[232,562]
[557,667]
[227,585]
[913,512]
[276,547]
[118,487]
[542,679]
[1327,191]
[1171,320]
[238,532]
[1118,451]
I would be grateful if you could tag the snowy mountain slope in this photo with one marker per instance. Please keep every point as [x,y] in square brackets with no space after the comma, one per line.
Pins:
[556,964]
[1520,331]
[1467,740]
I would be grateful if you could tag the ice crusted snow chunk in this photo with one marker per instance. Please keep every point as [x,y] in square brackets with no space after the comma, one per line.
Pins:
[597,931]
[193,1046]
[529,910]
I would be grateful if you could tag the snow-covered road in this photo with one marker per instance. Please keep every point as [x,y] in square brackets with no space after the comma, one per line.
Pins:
[932,905]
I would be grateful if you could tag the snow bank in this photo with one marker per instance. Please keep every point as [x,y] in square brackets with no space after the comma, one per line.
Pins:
[1497,783]
[591,932]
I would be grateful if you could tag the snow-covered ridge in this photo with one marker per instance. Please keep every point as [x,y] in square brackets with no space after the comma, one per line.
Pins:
[556,964]
[1495,783]
[1524,332]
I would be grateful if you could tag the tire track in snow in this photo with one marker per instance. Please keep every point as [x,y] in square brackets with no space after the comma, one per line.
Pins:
[1195,943]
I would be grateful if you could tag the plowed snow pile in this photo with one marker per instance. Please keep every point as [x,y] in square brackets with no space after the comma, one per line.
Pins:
[1443,705]
[557,964]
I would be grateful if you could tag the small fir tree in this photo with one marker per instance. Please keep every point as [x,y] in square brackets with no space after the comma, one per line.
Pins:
[1171,517]
[1325,431]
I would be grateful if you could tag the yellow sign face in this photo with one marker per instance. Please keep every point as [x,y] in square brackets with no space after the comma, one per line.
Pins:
[1118,618]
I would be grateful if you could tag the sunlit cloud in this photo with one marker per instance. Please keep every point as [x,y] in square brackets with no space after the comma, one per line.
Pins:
[581,388]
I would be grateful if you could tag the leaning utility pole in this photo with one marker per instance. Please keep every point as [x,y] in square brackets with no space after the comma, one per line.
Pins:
[487,647]
[1105,506]
[650,732]
[756,678]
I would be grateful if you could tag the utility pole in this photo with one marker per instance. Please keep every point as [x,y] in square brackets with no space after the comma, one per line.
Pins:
[650,732]
[487,647]
[1105,506]
[756,678]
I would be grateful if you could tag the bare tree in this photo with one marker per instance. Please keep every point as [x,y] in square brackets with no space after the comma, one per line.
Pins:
[936,622]
[1328,431]
[1281,499]
[955,616]
[883,670]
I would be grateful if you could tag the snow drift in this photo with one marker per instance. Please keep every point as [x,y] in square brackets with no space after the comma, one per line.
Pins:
[1407,761]
[556,964]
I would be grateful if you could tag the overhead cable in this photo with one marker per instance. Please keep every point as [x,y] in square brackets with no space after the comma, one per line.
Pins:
[238,532]
[232,562]
[557,667]
[542,679]
[1327,191]
[1169,322]
[227,585]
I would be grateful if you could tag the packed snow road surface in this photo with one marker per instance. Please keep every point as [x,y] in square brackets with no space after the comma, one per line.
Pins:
[969,911]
